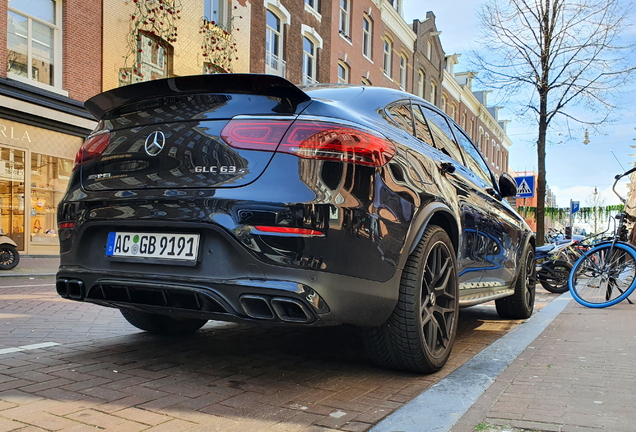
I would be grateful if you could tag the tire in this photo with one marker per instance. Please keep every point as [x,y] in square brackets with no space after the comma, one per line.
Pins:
[521,304]
[162,324]
[420,333]
[604,276]
[555,279]
[9,257]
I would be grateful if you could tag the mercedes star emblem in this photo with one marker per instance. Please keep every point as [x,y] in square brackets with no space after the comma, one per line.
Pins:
[155,143]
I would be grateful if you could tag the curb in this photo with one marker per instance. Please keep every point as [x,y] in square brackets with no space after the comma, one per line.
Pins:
[2,275]
[441,406]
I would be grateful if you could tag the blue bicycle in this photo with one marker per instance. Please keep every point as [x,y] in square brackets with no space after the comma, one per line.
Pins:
[606,274]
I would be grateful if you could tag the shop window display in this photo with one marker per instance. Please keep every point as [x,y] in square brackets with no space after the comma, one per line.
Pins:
[12,194]
[49,179]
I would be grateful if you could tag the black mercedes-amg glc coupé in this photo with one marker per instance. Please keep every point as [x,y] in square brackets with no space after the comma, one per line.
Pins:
[245,198]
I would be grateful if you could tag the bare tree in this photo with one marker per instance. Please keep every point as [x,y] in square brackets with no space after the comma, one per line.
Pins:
[595,202]
[554,55]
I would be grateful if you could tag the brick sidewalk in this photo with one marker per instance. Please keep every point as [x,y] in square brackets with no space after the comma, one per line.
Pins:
[101,372]
[34,266]
[578,375]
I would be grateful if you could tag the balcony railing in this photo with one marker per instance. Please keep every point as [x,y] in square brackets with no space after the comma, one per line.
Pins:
[309,80]
[274,65]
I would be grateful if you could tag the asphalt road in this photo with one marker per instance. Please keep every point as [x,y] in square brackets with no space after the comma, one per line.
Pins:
[72,366]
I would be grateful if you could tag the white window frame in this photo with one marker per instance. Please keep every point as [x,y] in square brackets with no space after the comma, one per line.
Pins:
[403,67]
[387,56]
[309,72]
[345,68]
[345,19]
[57,50]
[444,102]
[429,49]
[421,79]
[314,4]
[222,17]
[433,95]
[276,58]
[365,81]
[148,67]
[367,37]
[397,5]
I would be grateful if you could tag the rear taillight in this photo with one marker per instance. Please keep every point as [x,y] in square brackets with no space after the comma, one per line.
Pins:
[310,140]
[65,225]
[92,148]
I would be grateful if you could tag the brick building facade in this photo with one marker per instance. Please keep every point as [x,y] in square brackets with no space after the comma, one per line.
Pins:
[47,71]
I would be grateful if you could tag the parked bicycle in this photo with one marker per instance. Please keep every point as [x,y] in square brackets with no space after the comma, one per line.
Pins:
[554,265]
[606,274]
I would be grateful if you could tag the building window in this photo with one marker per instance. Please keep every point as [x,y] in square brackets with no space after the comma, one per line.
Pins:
[153,57]
[309,61]
[345,21]
[433,95]
[429,49]
[312,4]
[397,5]
[366,82]
[218,12]
[367,36]
[274,63]
[388,53]
[343,73]
[403,64]
[444,100]
[453,111]
[33,41]
[420,84]
[463,124]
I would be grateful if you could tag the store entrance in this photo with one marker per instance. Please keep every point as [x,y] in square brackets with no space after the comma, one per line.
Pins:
[12,199]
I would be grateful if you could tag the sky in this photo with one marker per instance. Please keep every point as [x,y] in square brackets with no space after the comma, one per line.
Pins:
[573,169]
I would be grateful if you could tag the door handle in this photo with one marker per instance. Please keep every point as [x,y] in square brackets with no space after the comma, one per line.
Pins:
[447,167]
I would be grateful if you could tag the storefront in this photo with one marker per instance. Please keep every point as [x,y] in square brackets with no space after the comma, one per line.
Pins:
[35,168]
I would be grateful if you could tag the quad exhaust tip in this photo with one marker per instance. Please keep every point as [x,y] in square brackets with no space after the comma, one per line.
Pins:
[284,308]
[70,288]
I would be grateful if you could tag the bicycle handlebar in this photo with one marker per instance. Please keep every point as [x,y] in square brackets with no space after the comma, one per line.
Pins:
[626,173]
[616,179]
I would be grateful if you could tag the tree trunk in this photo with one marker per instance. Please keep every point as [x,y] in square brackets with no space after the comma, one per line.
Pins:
[541,187]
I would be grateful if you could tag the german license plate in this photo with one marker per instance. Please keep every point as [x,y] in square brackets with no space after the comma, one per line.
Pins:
[177,247]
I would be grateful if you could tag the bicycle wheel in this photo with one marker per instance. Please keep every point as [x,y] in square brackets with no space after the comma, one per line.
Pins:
[604,276]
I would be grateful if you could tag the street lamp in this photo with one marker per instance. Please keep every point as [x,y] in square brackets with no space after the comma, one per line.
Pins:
[586,137]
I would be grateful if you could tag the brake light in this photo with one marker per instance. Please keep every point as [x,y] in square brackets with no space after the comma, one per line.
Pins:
[310,140]
[63,225]
[288,230]
[92,148]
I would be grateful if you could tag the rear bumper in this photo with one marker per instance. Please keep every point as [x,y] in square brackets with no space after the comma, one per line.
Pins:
[306,298]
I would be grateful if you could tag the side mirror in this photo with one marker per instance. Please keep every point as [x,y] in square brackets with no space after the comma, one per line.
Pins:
[507,185]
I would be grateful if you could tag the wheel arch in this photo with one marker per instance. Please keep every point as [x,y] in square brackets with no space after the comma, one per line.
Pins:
[435,213]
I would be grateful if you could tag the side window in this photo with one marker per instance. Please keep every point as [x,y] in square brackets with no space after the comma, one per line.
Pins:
[401,113]
[422,132]
[443,135]
[474,161]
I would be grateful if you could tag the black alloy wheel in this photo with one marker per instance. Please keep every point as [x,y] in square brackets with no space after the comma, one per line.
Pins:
[420,333]
[520,304]
[9,257]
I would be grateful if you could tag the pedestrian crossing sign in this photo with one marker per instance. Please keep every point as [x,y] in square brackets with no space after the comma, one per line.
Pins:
[525,187]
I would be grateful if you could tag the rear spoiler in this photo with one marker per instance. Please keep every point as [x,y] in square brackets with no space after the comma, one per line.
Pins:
[257,84]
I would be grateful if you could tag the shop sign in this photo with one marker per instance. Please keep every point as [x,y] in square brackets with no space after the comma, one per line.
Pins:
[13,133]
